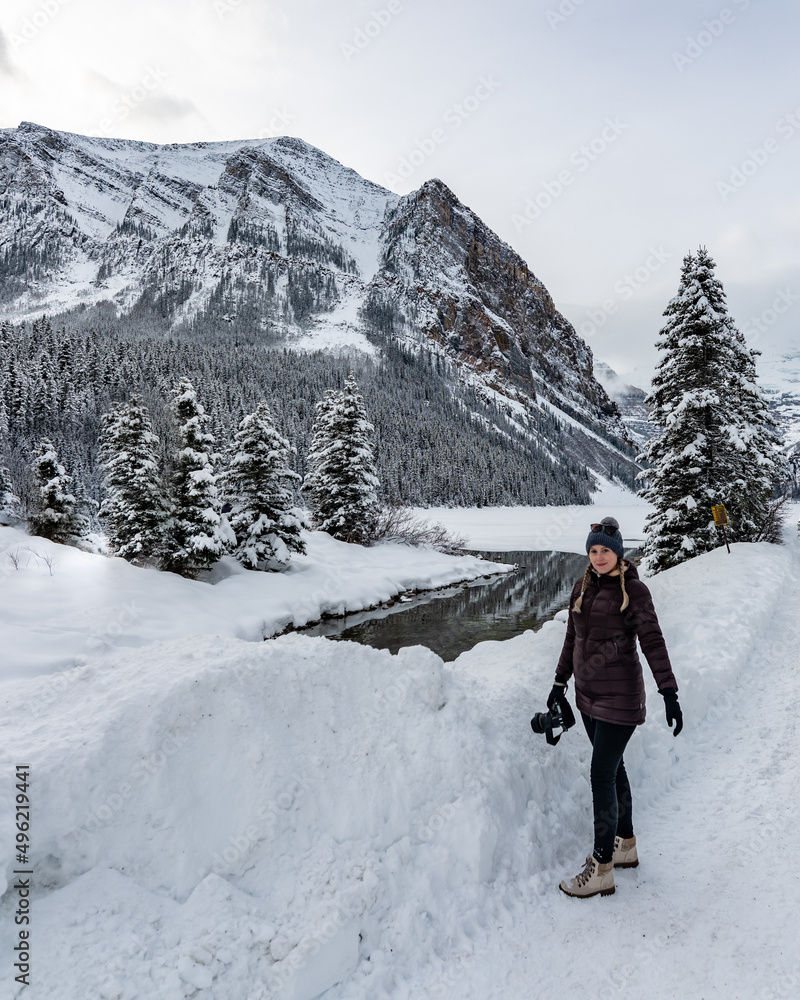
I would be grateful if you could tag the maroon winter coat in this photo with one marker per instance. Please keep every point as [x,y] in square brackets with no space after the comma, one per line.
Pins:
[600,649]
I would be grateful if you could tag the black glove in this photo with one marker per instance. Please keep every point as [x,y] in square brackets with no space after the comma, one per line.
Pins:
[673,709]
[557,694]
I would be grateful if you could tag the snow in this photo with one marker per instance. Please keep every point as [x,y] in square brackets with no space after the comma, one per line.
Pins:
[354,208]
[539,529]
[338,330]
[83,606]
[300,817]
[102,178]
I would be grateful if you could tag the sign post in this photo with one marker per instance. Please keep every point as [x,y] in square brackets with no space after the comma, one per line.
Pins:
[721,519]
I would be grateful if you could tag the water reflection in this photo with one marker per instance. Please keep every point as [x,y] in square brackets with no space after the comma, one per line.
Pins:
[454,620]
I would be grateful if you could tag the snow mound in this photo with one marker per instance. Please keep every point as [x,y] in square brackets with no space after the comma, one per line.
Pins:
[254,804]
[243,820]
[65,608]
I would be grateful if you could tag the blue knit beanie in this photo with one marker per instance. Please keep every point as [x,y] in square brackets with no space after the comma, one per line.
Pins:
[613,541]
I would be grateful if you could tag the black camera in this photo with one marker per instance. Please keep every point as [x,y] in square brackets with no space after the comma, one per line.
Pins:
[554,723]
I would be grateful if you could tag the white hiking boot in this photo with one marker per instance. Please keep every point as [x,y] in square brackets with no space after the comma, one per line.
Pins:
[595,878]
[625,855]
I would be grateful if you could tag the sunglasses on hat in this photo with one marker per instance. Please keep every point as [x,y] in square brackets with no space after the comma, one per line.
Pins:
[609,529]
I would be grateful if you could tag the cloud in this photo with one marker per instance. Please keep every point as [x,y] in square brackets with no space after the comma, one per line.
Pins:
[140,103]
[7,67]
[170,107]
[102,81]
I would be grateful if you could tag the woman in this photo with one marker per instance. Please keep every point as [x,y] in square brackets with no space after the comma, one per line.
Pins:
[608,609]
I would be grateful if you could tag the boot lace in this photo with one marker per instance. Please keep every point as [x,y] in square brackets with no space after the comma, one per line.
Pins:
[588,870]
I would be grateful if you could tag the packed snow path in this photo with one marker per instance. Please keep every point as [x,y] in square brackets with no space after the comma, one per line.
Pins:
[713,910]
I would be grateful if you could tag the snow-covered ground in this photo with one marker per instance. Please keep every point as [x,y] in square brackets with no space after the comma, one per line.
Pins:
[63,608]
[229,819]
[525,529]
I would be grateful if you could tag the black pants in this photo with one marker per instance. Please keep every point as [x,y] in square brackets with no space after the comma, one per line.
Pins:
[611,791]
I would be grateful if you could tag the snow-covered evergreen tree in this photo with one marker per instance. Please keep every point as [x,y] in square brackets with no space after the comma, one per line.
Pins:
[4,425]
[134,510]
[341,483]
[10,504]
[717,442]
[54,510]
[195,538]
[315,485]
[759,461]
[258,485]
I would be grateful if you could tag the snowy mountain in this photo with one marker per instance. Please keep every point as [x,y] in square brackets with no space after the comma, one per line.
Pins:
[273,241]
[779,371]
[779,379]
[630,399]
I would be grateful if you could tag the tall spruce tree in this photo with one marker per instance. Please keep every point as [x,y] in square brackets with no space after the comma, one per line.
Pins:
[134,510]
[4,424]
[10,504]
[341,483]
[760,464]
[195,540]
[54,509]
[258,484]
[717,442]
[315,485]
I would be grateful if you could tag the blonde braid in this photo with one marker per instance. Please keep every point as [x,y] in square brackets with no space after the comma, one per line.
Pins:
[623,565]
[579,600]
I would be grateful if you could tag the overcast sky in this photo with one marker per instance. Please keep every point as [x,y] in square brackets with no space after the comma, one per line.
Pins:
[602,139]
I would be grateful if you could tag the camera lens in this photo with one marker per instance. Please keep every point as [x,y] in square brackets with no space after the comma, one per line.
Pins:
[541,722]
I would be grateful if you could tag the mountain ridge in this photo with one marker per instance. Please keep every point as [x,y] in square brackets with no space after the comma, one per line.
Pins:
[273,240]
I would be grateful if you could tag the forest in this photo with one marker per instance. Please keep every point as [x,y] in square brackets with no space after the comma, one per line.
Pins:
[437,442]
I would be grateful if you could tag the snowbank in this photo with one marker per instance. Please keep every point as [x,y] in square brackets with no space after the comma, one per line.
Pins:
[63,608]
[249,820]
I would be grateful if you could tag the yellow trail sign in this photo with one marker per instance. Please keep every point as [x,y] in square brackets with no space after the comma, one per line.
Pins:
[720,520]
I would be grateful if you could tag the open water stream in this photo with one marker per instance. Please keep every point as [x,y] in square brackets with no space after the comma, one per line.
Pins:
[454,619]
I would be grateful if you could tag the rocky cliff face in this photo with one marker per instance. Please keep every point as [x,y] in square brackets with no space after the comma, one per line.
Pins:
[472,294]
[274,240]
